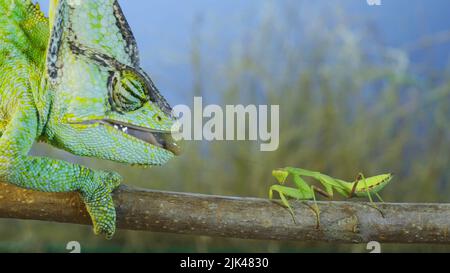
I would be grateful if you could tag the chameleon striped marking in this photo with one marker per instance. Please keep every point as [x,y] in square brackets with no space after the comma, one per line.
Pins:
[131,47]
[56,40]
[119,69]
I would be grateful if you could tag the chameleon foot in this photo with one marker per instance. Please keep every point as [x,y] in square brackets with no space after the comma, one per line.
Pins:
[99,202]
[111,180]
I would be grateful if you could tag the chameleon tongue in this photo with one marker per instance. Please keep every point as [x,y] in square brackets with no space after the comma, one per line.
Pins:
[162,140]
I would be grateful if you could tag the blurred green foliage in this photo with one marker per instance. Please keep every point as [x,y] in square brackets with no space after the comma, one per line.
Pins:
[348,104]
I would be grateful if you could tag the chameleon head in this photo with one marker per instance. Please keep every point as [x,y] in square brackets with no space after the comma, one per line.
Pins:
[114,115]
[102,103]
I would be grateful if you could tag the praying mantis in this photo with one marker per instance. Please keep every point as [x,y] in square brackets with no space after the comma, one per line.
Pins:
[361,187]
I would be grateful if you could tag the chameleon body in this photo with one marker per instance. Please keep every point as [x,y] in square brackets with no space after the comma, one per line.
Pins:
[73,80]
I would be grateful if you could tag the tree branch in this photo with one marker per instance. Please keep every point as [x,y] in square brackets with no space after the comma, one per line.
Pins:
[139,209]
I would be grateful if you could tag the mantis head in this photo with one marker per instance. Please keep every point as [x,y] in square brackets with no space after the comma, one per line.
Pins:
[281,175]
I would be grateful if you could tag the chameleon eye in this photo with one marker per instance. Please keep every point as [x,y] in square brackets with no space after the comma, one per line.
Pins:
[128,91]
[157,117]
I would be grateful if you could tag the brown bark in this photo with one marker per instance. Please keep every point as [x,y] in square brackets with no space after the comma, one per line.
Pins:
[140,209]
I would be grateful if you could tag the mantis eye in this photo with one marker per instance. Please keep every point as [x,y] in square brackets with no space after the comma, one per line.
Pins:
[128,91]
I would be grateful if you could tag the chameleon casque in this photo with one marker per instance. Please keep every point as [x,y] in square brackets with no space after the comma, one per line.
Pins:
[73,80]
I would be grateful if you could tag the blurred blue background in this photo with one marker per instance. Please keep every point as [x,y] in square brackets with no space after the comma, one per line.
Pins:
[360,88]
[165,30]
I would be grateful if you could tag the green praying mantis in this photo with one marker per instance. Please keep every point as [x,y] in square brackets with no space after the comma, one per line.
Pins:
[361,187]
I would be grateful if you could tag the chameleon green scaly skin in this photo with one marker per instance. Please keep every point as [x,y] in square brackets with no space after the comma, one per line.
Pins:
[74,81]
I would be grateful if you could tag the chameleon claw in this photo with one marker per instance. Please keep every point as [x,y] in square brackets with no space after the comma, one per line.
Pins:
[103,217]
[99,203]
[108,234]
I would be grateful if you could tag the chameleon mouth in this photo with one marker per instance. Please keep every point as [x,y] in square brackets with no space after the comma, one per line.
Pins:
[161,139]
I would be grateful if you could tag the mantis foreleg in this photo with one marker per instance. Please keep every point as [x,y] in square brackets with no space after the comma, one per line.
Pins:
[282,190]
[305,194]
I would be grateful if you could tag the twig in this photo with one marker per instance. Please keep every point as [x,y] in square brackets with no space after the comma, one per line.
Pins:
[139,209]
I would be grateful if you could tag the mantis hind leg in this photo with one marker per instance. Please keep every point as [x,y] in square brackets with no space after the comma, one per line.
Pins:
[379,197]
[316,207]
[373,205]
